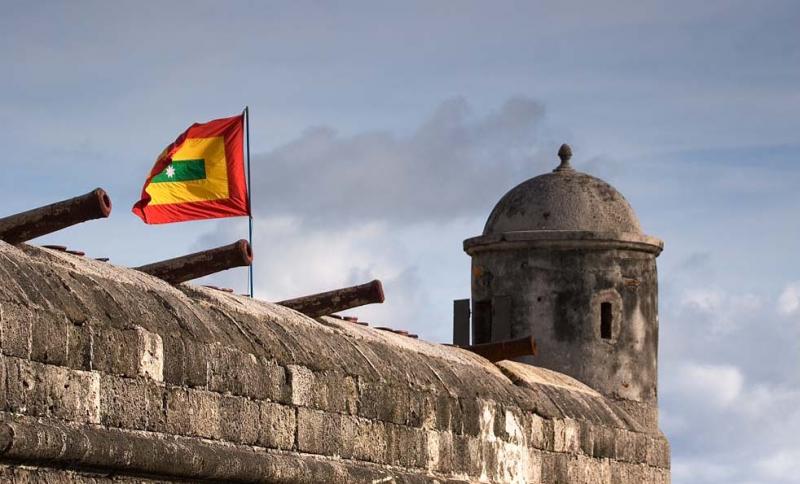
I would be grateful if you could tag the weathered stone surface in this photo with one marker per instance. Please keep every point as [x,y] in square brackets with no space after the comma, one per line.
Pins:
[80,345]
[52,391]
[391,403]
[240,420]
[406,447]
[27,475]
[193,412]
[49,338]
[130,352]
[123,402]
[196,364]
[178,458]
[252,391]
[277,426]
[331,391]
[321,433]
[233,371]
[15,330]
[566,436]
[116,352]
[151,354]
[562,257]
[174,360]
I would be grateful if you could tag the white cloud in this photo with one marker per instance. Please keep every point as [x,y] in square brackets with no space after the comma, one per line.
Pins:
[722,311]
[704,384]
[789,300]
[708,300]
[298,259]
[701,470]
[783,465]
[454,164]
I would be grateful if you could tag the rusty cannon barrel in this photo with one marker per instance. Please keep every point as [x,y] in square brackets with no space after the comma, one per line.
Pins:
[28,225]
[504,350]
[199,264]
[337,300]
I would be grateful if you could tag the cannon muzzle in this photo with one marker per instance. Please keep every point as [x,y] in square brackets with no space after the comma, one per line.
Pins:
[337,300]
[199,264]
[504,350]
[28,225]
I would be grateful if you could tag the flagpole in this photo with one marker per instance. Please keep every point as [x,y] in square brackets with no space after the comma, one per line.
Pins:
[249,192]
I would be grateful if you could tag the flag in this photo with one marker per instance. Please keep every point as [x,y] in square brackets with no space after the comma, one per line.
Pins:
[199,176]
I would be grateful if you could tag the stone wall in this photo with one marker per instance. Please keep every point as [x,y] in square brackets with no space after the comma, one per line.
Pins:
[107,374]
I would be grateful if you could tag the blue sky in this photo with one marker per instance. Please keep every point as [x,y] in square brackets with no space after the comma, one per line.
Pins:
[382,135]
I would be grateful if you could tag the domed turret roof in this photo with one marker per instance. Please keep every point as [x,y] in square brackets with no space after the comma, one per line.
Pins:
[565,199]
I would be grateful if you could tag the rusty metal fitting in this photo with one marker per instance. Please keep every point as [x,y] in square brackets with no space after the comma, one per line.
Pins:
[330,302]
[24,226]
[199,264]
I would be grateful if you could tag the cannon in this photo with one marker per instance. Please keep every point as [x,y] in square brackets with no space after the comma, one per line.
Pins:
[199,264]
[337,300]
[36,222]
[504,350]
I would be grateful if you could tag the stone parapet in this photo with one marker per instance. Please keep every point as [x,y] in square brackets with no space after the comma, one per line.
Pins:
[107,374]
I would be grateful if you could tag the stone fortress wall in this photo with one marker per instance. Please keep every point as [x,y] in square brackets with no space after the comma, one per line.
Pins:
[107,374]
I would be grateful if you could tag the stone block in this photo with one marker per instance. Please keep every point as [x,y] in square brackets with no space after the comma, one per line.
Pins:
[116,352]
[390,403]
[470,416]
[534,427]
[193,412]
[587,438]
[79,352]
[156,396]
[446,412]
[555,468]
[490,461]
[15,330]
[43,390]
[603,443]
[151,354]
[326,433]
[174,360]
[241,420]
[658,453]
[123,402]
[627,472]
[301,386]
[238,373]
[195,364]
[370,440]
[330,391]
[466,455]
[204,408]
[509,425]
[278,425]
[49,338]
[533,467]
[585,470]
[439,449]
[566,436]
[405,446]
[129,352]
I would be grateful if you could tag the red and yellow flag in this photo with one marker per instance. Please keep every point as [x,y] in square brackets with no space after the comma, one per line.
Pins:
[199,176]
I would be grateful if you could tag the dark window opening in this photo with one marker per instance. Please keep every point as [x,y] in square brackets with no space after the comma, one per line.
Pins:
[606,318]
[481,322]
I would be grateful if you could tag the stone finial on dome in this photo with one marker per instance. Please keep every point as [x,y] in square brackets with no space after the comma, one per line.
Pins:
[565,153]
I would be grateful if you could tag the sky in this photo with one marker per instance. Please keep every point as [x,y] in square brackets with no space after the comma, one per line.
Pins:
[383,133]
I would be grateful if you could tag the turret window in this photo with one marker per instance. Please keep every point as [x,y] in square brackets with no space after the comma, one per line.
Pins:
[606,320]
[607,315]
